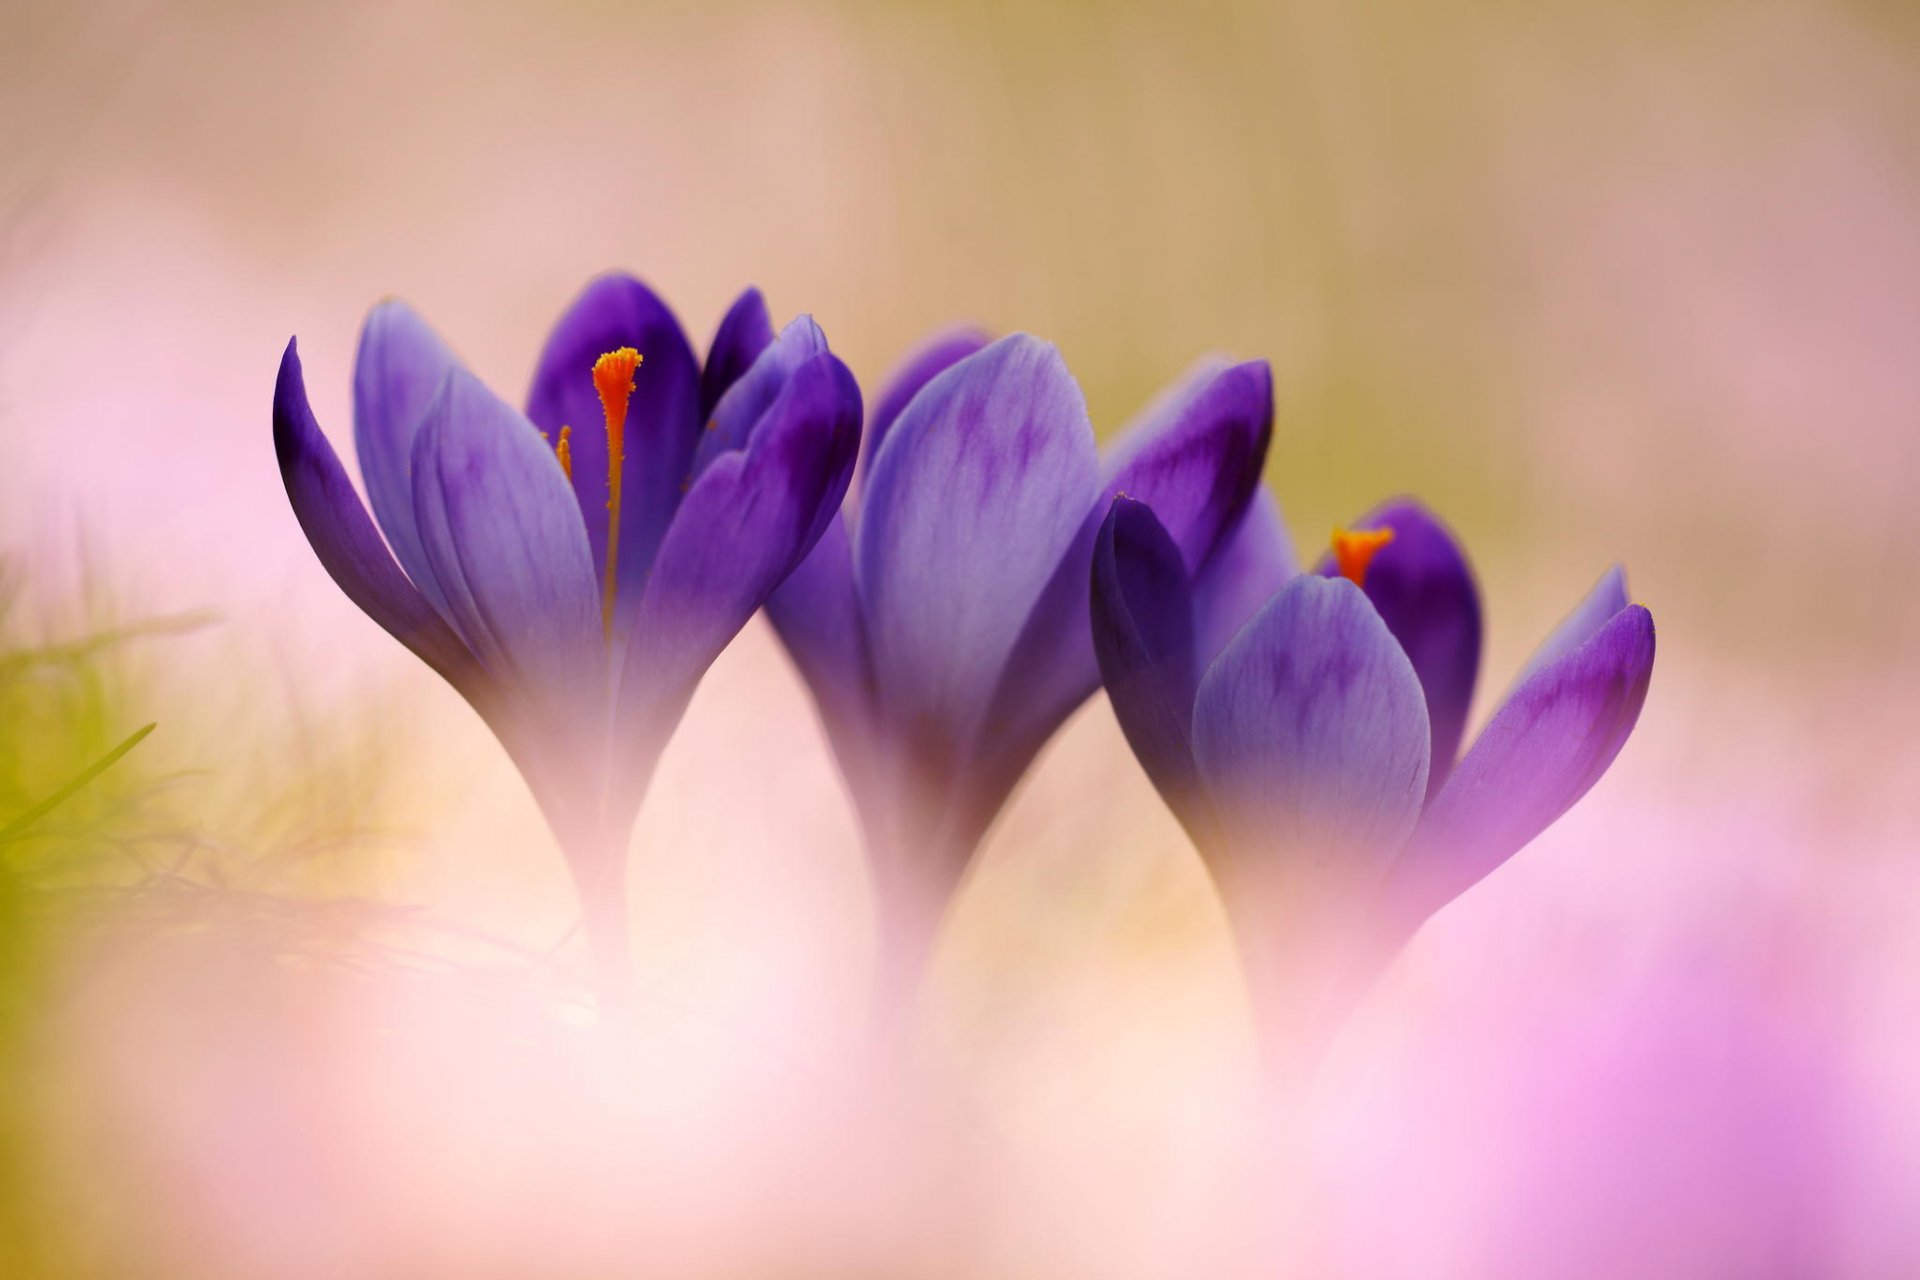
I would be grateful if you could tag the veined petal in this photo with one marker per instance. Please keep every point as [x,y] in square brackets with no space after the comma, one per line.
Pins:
[1252,563]
[1142,609]
[503,534]
[343,537]
[748,520]
[1545,747]
[978,491]
[1425,592]
[1199,470]
[925,363]
[663,417]
[397,371]
[743,334]
[1161,412]
[1310,733]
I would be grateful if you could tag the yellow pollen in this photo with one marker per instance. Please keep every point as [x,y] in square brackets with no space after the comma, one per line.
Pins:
[1354,549]
[564,451]
[613,379]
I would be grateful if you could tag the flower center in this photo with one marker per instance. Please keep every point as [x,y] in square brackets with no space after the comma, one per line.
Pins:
[1354,550]
[613,379]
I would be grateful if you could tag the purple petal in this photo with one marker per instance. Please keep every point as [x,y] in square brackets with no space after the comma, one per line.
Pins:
[743,334]
[1162,411]
[503,534]
[1253,562]
[979,490]
[1424,589]
[1310,733]
[1544,748]
[343,536]
[663,417]
[816,613]
[740,410]
[921,366]
[1142,611]
[749,519]
[397,371]
[1608,597]
[1197,473]
[1199,470]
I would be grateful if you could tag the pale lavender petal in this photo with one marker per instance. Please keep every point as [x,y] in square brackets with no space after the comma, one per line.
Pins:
[926,362]
[397,371]
[979,490]
[503,534]
[1310,732]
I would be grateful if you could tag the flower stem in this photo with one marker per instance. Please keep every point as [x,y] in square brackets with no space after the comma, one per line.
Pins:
[599,866]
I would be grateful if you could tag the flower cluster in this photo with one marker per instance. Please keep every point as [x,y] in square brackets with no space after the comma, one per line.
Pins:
[953,570]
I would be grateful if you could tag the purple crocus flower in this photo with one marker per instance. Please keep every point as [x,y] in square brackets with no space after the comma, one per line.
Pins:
[940,622]
[573,570]
[1306,729]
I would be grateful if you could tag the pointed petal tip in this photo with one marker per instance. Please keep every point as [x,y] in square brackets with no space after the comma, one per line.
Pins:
[804,324]
[293,420]
[1616,578]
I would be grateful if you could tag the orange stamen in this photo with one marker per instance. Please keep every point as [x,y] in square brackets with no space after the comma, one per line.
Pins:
[1354,550]
[564,451]
[613,379]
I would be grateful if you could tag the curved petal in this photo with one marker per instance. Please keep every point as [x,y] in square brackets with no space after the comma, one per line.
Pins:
[1311,735]
[816,613]
[397,371]
[1252,563]
[1197,473]
[1544,748]
[1142,609]
[748,520]
[734,419]
[1161,412]
[503,534]
[977,493]
[743,334]
[1595,610]
[663,417]
[1424,589]
[1199,470]
[343,536]
[922,365]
